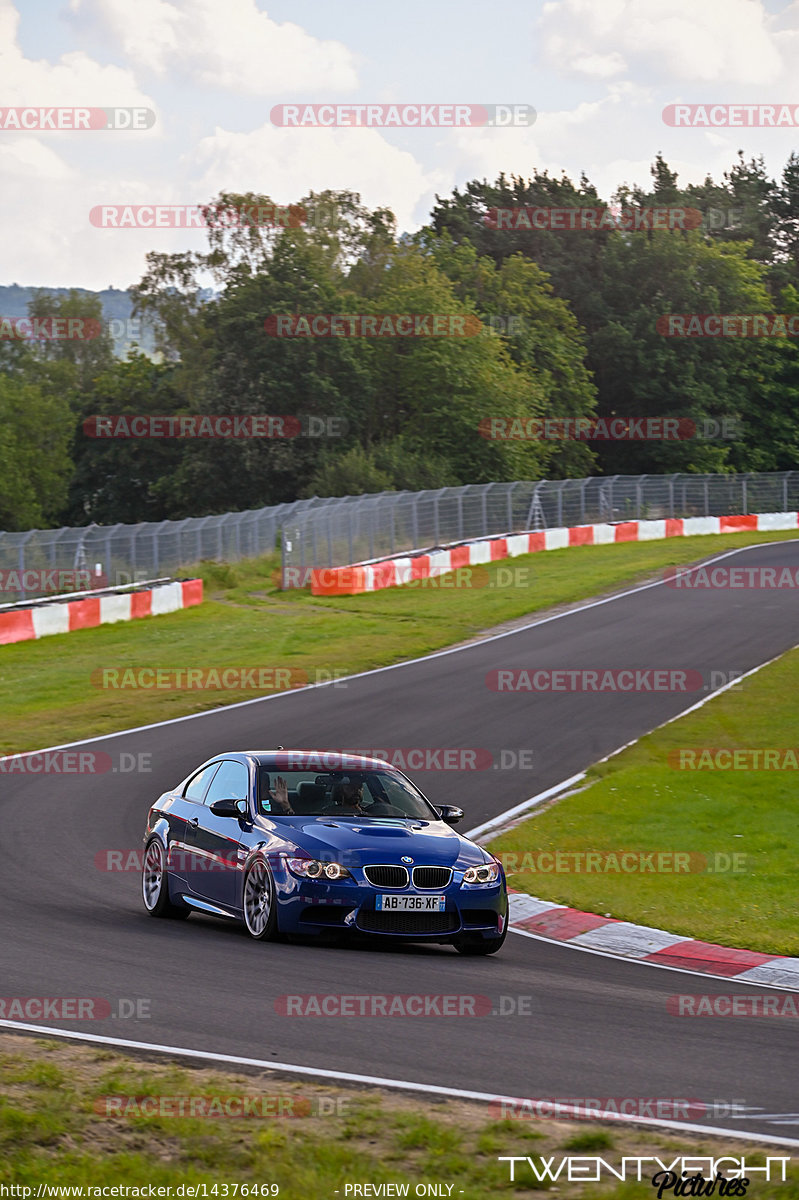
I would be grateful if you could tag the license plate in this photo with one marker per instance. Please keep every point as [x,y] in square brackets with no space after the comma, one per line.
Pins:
[410,903]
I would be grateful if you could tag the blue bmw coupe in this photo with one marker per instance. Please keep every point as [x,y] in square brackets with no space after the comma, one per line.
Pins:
[310,842]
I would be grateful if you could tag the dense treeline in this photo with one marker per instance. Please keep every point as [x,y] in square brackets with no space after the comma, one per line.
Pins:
[568,330]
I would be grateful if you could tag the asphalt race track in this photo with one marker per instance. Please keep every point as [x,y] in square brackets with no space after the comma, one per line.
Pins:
[593,1026]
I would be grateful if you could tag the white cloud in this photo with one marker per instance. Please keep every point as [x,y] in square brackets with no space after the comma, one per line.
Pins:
[287,164]
[222,43]
[75,79]
[696,41]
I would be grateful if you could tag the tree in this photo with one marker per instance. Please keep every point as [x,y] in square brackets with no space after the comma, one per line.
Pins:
[124,479]
[34,458]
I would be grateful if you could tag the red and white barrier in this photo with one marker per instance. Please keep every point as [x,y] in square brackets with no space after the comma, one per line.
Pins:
[563,924]
[64,616]
[393,572]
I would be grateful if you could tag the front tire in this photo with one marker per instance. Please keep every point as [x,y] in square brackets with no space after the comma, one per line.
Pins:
[155,883]
[259,902]
[481,945]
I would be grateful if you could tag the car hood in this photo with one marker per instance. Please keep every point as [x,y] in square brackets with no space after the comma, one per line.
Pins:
[376,840]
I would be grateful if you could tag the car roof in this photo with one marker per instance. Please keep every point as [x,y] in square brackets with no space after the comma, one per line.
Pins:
[318,760]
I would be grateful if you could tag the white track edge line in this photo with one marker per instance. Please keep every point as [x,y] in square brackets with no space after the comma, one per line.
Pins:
[379,1081]
[509,813]
[396,666]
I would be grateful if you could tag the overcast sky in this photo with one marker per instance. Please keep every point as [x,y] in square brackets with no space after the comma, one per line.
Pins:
[597,72]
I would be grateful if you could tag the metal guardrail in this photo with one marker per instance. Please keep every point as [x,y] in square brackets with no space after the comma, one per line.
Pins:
[341,530]
[362,528]
[130,553]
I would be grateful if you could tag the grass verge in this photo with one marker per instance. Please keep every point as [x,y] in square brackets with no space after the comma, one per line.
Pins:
[48,689]
[737,883]
[53,1131]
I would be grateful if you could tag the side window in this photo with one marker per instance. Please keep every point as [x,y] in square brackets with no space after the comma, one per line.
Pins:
[231,782]
[195,788]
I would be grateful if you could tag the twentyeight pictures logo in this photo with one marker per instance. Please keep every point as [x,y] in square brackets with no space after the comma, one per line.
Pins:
[405,116]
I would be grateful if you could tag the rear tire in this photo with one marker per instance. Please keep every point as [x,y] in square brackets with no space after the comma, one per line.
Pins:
[155,883]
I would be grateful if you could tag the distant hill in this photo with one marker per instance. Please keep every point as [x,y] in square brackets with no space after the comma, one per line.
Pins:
[117,311]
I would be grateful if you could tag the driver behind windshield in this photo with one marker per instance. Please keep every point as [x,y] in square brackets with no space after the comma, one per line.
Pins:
[348,800]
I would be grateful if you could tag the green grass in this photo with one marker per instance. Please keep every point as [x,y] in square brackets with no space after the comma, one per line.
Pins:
[640,800]
[47,693]
[52,1131]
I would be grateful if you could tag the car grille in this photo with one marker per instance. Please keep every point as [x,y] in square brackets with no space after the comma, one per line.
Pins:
[407,922]
[431,877]
[387,876]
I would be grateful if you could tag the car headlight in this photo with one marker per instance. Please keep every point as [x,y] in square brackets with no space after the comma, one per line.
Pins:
[485,873]
[311,868]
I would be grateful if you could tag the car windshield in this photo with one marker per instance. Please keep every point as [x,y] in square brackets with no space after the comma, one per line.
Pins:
[348,794]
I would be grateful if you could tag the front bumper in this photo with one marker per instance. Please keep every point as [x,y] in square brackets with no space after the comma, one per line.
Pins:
[312,906]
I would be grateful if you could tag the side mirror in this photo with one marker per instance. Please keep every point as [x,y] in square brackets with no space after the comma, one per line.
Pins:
[229,808]
[450,813]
